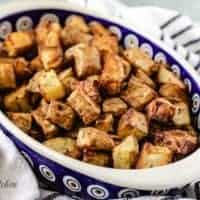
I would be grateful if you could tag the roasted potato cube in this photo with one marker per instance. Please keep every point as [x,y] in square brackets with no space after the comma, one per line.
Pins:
[19,42]
[105,123]
[98,29]
[166,76]
[133,123]
[106,43]
[153,156]
[94,78]
[114,105]
[160,110]
[182,114]
[138,94]
[22,69]
[144,78]
[51,87]
[64,145]
[179,141]
[51,57]
[86,58]
[36,64]
[94,139]
[7,76]
[140,60]
[21,120]
[18,100]
[114,73]
[48,34]
[49,129]
[96,158]
[125,154]
[86,108]
[173,92]
[78,22]
[60,114]
[90,88]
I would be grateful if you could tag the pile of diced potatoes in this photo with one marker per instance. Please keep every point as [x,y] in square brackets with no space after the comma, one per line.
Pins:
[85,96]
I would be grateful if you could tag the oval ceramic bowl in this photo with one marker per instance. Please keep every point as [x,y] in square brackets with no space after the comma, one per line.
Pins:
[81,180]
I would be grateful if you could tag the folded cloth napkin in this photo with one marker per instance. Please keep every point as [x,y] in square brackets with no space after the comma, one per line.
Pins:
[17,181]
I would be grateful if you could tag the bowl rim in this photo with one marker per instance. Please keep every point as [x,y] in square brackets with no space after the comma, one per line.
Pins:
[173,175]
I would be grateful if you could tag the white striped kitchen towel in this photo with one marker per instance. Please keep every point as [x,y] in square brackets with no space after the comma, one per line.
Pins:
[174,29]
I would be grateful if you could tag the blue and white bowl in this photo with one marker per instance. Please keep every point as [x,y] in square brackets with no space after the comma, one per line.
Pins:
[79,179]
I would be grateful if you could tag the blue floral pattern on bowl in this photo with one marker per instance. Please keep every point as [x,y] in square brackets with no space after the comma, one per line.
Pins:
[59,177]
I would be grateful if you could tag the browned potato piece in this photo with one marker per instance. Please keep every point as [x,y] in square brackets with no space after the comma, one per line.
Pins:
[83,104]
[133,123]
[51,57]
[60,114]
[166,76]
[179,141]
[153,156]
[98,29]
[144,78]
[48,34]
[96,158]
[86,58]
[173,92]
[94,78]
[114,105]
[125,154]
[64,145]
[138,94]
[50,86]
[90,88]
[105,123]
[22,69]
[182,114]
[7,75]
[21,120]
[18,100]
[19,42]
[160,110]
[49,129]
[94,139]
[140,60]
[115,71]
[36,64]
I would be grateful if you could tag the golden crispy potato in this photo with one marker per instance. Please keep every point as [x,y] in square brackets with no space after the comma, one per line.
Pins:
[140,60]
[94,139]
[7,75]
[21,120]
[182,114]
[144,78]
[132,123]
[166,76]
[160,110]
[19,42]
[64,145]
[98,29]
[179,141]
[18,100]
[83,104]
[173,92]
[105,123]
[86,58]
[94,78]
[49,129]
[138,94]
[51,57]
[60,114]
[50,86]
[22,69]
[114,72]
[125,154]
[36,64]
[114,105]
[153,156]
[96,158]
